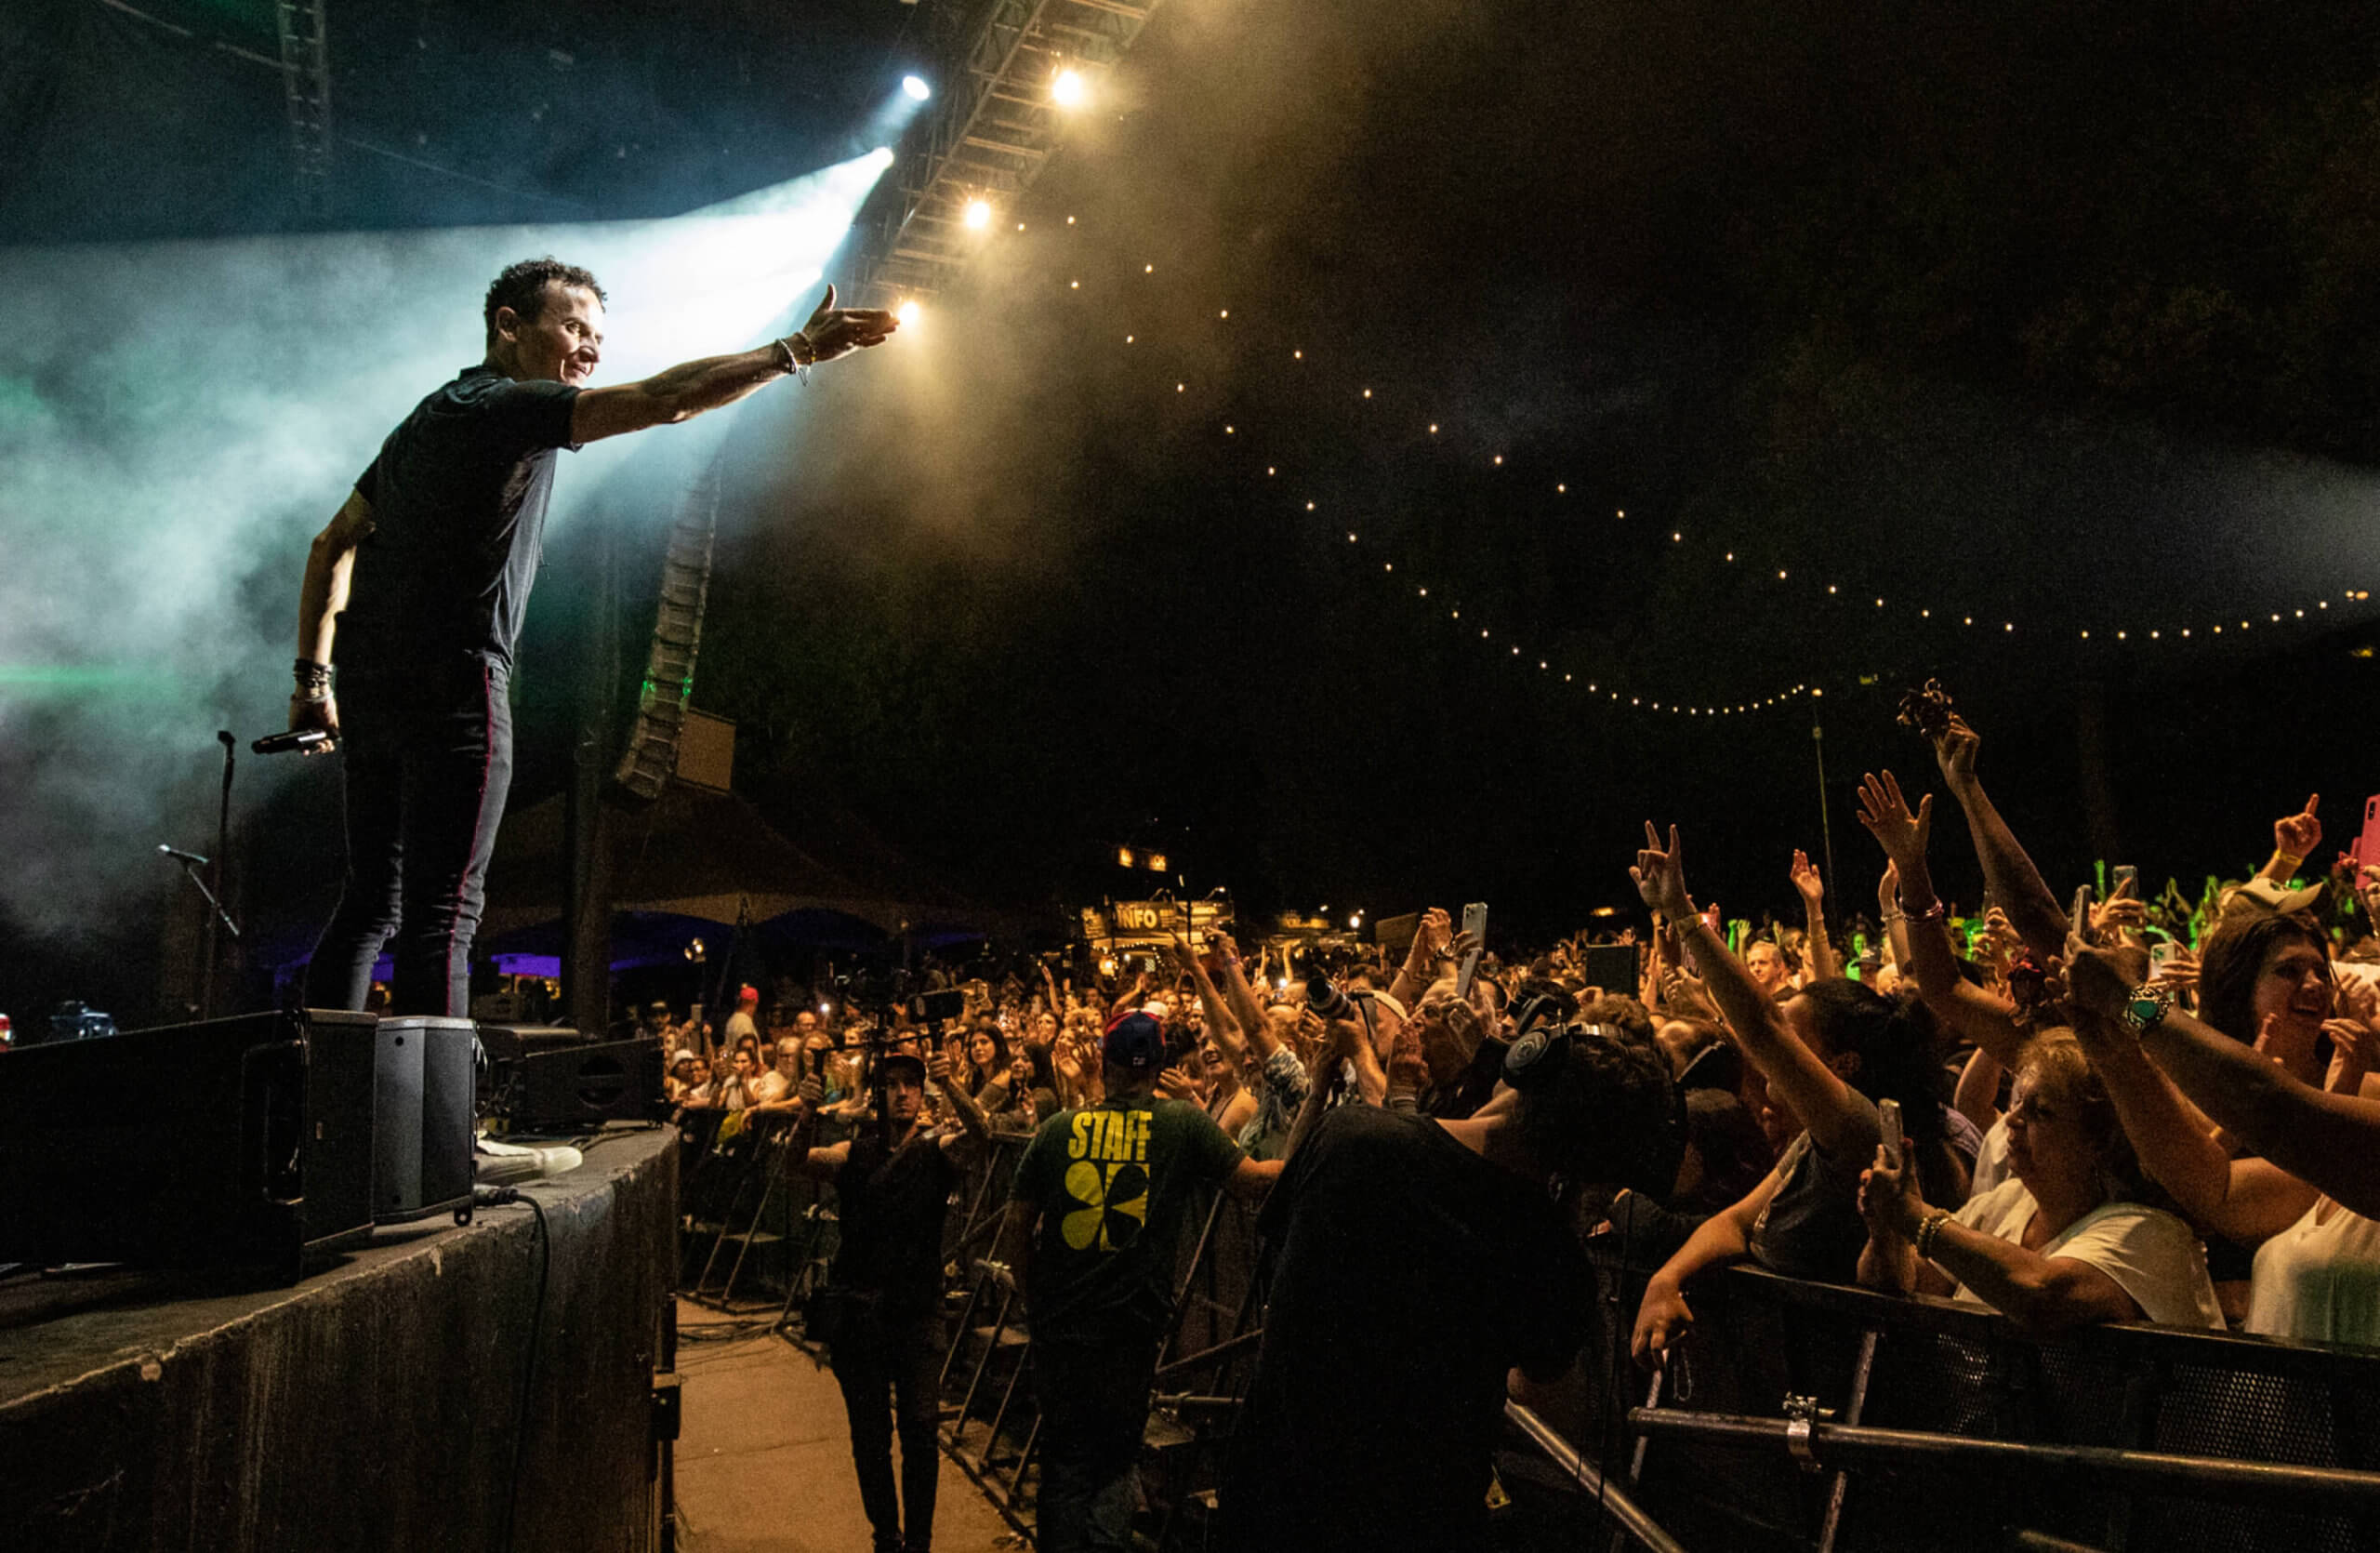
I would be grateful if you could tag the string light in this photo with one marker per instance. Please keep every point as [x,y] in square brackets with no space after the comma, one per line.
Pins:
[978,213]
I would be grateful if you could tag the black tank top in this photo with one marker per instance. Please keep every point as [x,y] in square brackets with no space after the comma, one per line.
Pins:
[891,1212]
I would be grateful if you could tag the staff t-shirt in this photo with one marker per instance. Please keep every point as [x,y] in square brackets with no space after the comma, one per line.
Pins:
[1112,1182]
[459,499]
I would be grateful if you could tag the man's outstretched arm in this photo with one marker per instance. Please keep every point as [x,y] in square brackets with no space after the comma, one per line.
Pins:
[691,388]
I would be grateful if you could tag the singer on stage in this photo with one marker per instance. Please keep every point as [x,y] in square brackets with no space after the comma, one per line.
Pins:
[422,577]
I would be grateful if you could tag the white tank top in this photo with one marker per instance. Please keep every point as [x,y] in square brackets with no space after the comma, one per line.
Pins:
[2318,1280]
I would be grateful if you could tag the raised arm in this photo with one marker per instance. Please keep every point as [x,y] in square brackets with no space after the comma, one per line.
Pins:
[1932,965]
[1245,1009]
[2008,873]
[974,1131]
[2331,1142]
[1219,1020]
[1431,937]
[2295,836]
[691,388]
[1839,1121]
[1822,964]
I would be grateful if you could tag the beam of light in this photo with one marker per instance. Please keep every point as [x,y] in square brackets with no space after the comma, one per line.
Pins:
[979,214]
[1068,89]
[908,313]
[178,419]
[914,87]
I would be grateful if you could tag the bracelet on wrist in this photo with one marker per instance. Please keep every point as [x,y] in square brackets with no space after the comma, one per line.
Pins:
[1928,1230]
[1933,910]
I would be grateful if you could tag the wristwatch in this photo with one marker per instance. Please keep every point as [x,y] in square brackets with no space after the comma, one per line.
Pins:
[2145,1006]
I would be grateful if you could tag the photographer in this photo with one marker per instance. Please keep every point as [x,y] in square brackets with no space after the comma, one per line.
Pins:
[1418,1262]
[883,1304]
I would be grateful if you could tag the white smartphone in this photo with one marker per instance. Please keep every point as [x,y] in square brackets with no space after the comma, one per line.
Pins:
[1888,1125]
[1475,922]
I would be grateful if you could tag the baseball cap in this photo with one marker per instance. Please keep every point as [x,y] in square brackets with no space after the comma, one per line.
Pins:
[2261,896]
[685,1054]
[1136,1041]
[747,993]
[895,1058]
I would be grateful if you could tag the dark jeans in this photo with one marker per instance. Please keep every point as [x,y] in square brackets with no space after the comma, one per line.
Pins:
[426,759]
[889,1367]
[1094,1410]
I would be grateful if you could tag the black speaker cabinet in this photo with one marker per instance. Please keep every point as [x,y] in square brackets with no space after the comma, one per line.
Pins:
[423,1071]
[576,1089]
[244,1141]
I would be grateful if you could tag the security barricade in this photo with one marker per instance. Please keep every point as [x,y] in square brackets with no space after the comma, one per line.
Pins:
[1803,1416]
[1793,1415]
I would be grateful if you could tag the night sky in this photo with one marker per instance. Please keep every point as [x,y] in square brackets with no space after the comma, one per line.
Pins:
[2052,318]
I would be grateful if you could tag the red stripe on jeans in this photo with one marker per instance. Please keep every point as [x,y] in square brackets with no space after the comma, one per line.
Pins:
[462,880]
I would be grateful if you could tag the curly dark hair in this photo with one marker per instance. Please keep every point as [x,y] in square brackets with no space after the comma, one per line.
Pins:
[1610,1117]
[521,287]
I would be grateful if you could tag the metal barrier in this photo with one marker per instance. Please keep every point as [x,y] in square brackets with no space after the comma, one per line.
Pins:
[1958,1432]
[1911,1423]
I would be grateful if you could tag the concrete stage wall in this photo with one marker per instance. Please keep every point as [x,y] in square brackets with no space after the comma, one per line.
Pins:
[373,1406]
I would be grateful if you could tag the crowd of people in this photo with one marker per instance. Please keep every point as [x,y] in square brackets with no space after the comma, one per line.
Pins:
[2118,1110]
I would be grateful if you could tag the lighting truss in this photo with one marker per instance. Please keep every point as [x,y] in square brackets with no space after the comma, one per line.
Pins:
[305,89]
[991,129]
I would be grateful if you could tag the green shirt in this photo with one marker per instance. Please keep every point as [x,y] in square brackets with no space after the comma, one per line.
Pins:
[1111,1183]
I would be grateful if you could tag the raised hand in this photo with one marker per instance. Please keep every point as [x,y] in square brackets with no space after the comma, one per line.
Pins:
[1888,887]
[1177,1083]
[1407,1070]
[2353,1045]
[1887,815]
[2180,972]
[2099,980]
[2300,833]
[1955,752]
[834,331]
[812,1093]
[1888,1199]
[1805,880]
[2119,910]
[1659,875]
[938,1069]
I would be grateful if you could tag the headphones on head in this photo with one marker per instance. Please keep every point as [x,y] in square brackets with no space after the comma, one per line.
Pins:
[1540,1048]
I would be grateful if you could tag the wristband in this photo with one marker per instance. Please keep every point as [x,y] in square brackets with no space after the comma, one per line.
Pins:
[1933,910]
[2295,859]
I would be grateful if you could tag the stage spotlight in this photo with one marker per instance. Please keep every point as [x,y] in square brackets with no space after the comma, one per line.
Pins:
[1068,89]
[979,214]
[908,313]
[917,89]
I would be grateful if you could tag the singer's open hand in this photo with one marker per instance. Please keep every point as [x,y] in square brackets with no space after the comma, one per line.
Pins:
[834,331]
[315,716]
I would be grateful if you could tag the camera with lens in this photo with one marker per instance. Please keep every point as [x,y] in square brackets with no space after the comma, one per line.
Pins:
[1323,996]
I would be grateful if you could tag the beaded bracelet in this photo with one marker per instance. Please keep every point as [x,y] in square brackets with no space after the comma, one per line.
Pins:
[1931,1228]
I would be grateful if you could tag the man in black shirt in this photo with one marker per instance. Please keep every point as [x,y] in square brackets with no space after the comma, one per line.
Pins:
[1418,1262]
[449,521]
[892,1186]
[1094,1212]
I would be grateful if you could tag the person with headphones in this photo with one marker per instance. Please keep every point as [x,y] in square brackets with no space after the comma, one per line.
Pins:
[1416,1263]
[894,1182]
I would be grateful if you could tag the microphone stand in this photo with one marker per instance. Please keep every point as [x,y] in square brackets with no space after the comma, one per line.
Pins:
[222,846]
[190,867]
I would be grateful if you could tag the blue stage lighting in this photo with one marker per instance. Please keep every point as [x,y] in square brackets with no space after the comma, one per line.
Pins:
[917,89]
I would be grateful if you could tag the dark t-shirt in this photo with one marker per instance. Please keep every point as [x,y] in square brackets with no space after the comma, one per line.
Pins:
[1411,1275]
[1812,1227]
[458,500]
[1112,1182]
[891,1212]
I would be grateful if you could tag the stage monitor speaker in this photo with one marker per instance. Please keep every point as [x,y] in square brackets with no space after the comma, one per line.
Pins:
[423,1071]
[236,1142]
[1611,967]
[576,1089]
